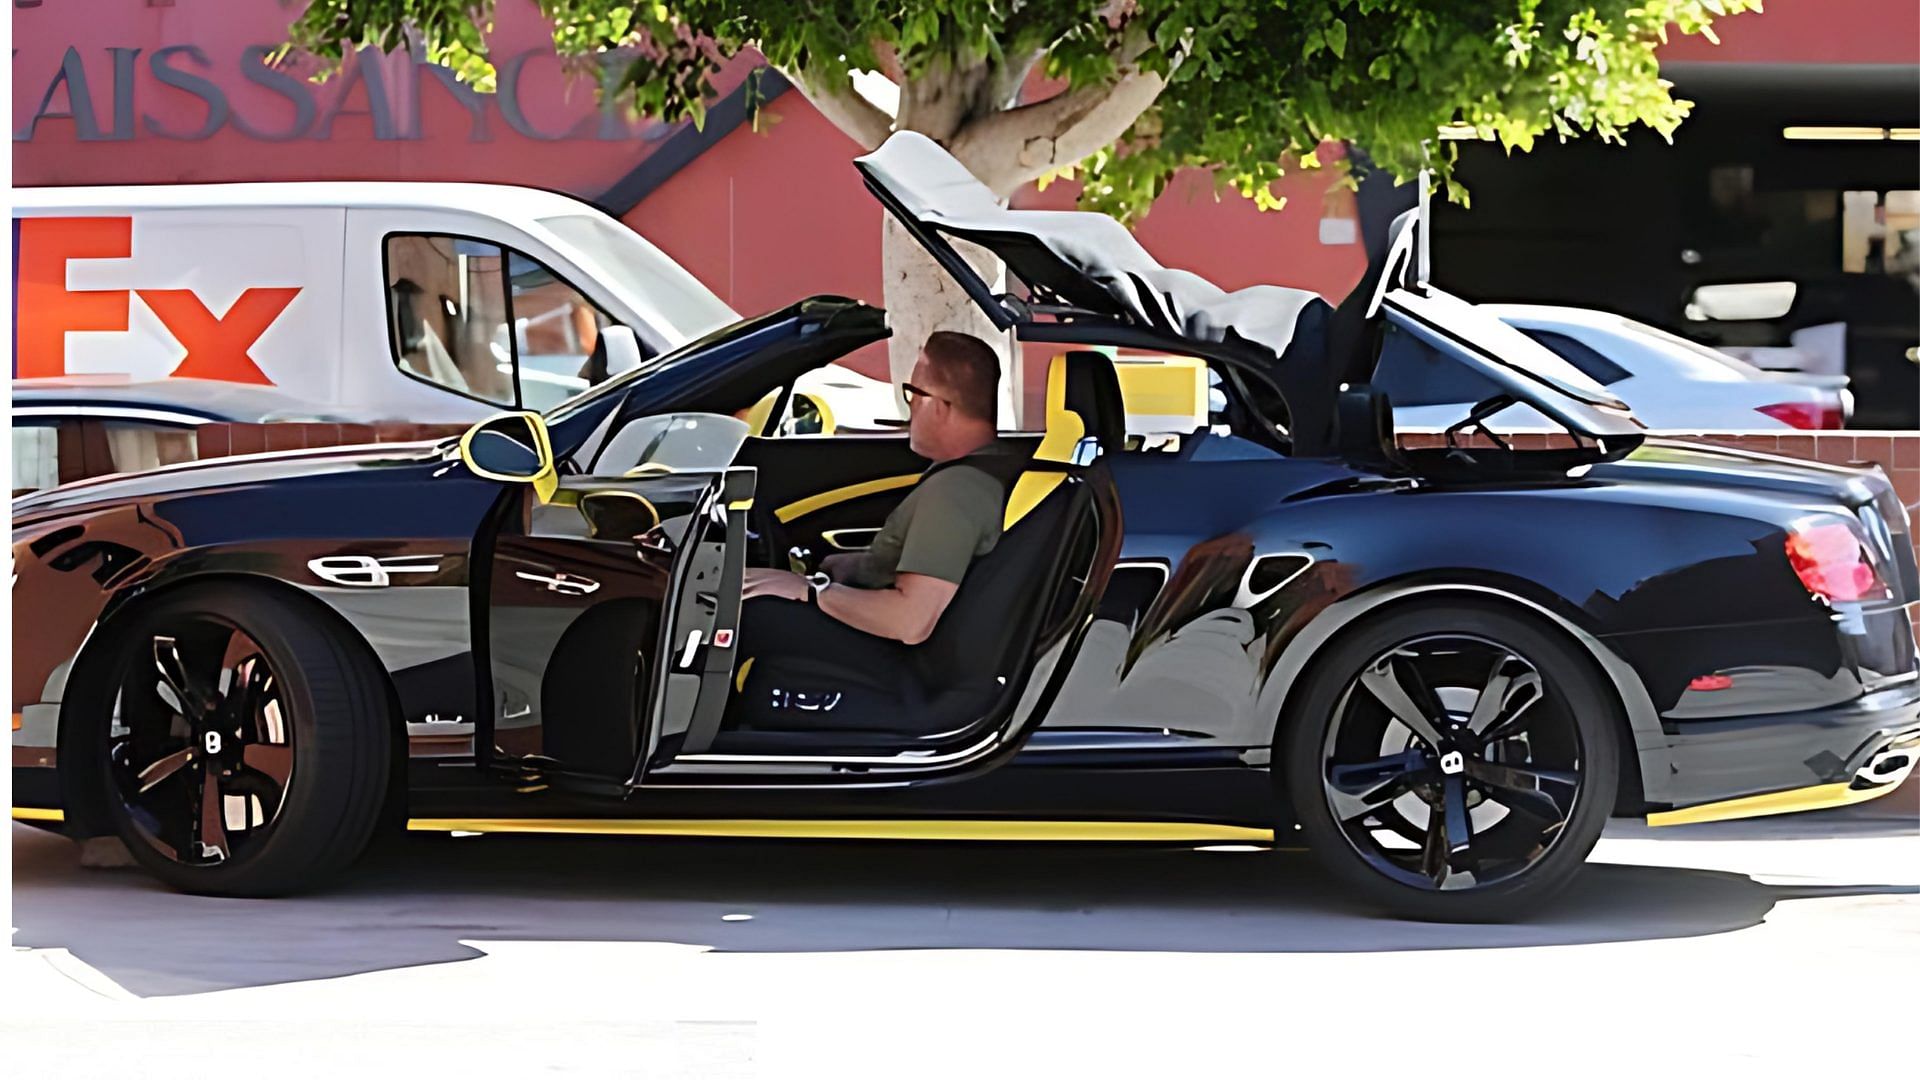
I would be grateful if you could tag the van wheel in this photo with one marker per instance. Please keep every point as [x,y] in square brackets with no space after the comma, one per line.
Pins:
[242,746]
[1453,762]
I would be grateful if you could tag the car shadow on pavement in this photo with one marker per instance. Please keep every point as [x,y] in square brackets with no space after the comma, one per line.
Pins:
[413,900]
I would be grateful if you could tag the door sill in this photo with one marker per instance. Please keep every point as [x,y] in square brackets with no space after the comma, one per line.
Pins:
[861,829]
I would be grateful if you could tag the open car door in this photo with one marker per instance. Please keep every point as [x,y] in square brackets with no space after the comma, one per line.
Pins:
[964,700]
[613,599]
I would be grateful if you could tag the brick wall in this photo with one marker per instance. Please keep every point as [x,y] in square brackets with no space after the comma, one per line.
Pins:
[221,440]
[1896,452]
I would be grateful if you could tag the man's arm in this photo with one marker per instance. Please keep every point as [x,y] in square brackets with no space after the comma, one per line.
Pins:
[907,612]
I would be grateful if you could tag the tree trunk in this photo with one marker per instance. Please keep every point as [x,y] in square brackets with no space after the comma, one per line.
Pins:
[921,298]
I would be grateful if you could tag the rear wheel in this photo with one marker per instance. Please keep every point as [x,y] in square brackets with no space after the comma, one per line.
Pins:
[1453,762]
[241,745]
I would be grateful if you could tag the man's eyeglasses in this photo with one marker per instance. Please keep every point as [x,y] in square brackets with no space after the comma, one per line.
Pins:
[909,392]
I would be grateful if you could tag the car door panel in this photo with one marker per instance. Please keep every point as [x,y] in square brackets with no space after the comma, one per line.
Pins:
[589,595]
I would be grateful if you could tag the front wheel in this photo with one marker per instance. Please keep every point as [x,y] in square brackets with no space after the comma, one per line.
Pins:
[1453,762]
[241,744]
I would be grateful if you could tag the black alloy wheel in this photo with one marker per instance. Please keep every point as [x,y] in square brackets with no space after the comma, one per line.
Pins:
[1454,762]
[201,760]
[243,744]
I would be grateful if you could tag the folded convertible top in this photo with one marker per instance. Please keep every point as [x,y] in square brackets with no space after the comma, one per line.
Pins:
[1086,260]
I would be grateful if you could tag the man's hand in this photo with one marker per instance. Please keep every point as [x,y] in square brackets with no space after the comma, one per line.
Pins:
[783,584]
[841,563]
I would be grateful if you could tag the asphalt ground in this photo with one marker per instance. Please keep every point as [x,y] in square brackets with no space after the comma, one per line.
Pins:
[1774,946]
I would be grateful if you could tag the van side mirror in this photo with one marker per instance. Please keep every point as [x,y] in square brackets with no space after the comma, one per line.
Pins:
[512,447]
[623,349]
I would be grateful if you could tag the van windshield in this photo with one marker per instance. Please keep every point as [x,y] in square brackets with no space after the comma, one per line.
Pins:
[672,299]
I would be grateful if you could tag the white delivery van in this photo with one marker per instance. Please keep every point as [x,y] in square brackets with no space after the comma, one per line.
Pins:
[423,302]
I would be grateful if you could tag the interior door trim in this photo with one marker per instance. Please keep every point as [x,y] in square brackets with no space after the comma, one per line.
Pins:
[800,508]
[851,539]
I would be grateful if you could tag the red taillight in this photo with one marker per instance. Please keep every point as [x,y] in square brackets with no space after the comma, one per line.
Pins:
[1805,414]
[1831,563]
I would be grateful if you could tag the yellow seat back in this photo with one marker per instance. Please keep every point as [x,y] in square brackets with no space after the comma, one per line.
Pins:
[1064,431]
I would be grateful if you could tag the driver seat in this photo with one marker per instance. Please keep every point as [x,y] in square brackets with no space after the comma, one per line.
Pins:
[968,670]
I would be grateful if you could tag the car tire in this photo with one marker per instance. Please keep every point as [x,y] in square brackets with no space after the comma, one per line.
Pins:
[321,723]
[1324,761]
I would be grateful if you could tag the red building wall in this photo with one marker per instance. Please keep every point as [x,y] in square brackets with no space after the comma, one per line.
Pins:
[762,217]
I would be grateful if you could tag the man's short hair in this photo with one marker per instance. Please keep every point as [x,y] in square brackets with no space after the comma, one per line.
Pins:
[969,369]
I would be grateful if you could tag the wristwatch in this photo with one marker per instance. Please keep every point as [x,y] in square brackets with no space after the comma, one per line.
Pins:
[817,583]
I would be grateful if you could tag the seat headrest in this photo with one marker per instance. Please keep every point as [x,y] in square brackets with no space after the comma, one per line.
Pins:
[1083,399]
[1093,392]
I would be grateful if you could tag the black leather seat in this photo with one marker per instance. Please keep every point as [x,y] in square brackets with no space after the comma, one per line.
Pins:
[843,680]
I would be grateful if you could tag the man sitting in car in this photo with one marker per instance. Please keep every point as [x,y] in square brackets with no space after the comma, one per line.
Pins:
[898,588]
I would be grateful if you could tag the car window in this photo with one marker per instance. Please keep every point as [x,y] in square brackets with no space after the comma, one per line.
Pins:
[1412,373]
[490,323]
[556,334]
[1695,360]
[36,456]
[676,442]
[133,447]
[1581,355]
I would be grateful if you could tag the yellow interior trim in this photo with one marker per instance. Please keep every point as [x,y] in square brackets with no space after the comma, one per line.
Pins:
[1065,429]
[800,508]
[762,411]
[35,813]
[740,677]
[610,493]
[827,426]
[879,829]
[845,539]
[1817,797]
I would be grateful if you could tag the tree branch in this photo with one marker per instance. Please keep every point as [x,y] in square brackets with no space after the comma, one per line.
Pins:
[859,119]
[1018,146]
[1003,88]
[942,100]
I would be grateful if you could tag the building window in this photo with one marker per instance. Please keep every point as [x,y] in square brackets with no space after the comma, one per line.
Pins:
[1880,234]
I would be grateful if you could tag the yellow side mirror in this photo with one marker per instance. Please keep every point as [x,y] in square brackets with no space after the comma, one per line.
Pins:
[809,415]
[512,447]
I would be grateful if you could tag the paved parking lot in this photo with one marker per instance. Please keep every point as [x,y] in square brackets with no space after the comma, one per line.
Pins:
[1773,945]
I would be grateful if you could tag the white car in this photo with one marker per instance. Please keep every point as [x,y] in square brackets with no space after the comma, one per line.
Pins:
[1672,384]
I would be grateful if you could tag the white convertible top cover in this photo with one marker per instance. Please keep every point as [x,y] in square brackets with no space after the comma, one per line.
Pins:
[1052,248]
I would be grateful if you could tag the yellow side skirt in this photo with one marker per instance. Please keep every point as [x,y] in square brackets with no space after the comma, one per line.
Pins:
[1818,797]
[857,829]
[34,813]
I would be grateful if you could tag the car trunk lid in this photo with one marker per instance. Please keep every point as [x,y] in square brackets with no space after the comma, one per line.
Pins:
[1865,494]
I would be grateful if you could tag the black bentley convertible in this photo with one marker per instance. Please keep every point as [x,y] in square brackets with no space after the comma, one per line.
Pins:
[1447,667]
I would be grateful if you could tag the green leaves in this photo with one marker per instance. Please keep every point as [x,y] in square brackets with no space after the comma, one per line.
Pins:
[1253,86]
[1336,36]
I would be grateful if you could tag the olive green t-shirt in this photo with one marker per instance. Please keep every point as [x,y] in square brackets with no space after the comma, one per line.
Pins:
[949,519]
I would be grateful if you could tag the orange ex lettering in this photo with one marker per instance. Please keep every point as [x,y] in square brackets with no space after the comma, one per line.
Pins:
[217,346]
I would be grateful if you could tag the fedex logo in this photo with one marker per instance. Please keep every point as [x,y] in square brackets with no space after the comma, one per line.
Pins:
[50,252]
